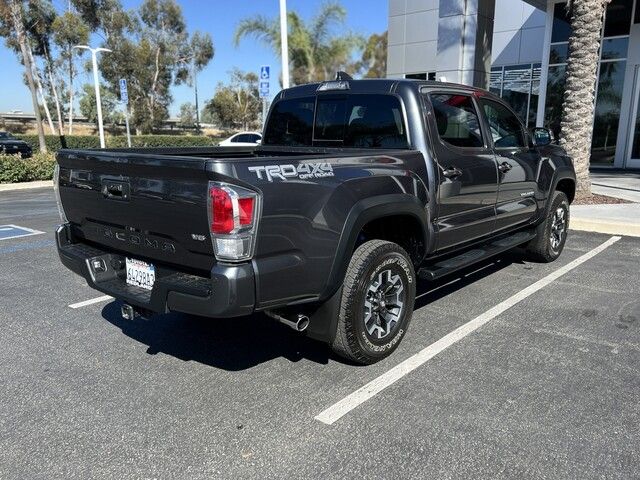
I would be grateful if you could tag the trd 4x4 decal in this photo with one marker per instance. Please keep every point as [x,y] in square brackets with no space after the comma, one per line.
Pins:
[302,171]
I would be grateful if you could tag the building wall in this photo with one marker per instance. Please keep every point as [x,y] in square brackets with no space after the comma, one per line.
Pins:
[413,37]
[518,33]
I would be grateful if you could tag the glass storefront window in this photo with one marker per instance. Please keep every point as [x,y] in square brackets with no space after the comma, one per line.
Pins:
[558,53]
[533,103]
[607,113]
[516,94]
[555,98]
[618,18]
[635,145]
[615,48]
[519,86]
[561,24]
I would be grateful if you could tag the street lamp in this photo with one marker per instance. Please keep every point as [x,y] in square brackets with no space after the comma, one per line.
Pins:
[96,82]
[284,42]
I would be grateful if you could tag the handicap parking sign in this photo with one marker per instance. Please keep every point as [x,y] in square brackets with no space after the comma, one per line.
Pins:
[265,72]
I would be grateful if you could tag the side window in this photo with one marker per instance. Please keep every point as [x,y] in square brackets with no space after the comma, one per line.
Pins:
[457,120]
[236,139]
[505,127]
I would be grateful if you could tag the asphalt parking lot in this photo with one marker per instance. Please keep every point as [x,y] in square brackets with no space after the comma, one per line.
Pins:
[545,387]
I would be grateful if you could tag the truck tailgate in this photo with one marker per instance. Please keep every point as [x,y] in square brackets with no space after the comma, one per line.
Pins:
[150,208]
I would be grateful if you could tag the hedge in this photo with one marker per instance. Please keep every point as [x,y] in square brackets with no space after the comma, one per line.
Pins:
[93,141]
[15,169]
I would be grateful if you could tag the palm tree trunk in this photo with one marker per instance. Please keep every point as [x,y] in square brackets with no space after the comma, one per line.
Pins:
[16,17]
[579,99]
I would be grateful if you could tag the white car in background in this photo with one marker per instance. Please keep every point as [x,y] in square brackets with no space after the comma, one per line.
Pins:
[242,139]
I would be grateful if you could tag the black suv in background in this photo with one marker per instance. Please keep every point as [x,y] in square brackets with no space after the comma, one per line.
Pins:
[11,145]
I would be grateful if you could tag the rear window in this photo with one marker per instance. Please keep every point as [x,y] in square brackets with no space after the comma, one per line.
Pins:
[359,121]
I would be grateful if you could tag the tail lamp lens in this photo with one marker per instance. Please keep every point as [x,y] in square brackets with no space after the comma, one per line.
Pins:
[233,218]
[222,211]
[245,205]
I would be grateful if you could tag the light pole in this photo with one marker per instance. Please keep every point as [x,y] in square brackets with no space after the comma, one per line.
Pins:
[96,82]
[284,42]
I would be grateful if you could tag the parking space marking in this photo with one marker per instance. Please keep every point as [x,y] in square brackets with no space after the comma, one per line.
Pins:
[344,406]
[7,232]
[91,301]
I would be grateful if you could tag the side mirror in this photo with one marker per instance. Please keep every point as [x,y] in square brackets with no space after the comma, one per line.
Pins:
[542,136]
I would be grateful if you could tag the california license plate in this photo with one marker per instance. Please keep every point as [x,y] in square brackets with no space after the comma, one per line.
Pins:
[140,274]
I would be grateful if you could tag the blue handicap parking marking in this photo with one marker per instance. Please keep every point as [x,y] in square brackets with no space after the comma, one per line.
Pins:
[14,231]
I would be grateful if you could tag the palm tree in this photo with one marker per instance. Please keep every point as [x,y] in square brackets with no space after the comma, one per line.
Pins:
[314,53]
[579,98]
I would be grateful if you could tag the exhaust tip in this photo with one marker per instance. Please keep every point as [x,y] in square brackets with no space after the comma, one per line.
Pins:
[127,312]
[302,323]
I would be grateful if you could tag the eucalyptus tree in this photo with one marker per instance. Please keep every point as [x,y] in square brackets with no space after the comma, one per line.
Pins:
[194,56]
[576,126]
[315,52]
[12,28]
[69,30]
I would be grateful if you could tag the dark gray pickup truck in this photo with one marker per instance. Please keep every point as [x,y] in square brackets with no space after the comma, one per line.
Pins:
[359,188]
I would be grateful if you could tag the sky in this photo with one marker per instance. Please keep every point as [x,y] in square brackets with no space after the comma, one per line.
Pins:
[219,18]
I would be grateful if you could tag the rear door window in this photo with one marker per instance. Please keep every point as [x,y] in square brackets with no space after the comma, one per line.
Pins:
[457,120]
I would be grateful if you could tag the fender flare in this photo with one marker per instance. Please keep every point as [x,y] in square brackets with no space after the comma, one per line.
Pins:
[363,212]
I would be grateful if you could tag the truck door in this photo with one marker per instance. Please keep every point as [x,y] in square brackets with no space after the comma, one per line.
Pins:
[468,182]
[517,165]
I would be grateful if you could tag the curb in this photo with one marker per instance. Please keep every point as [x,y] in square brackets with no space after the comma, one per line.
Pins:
[599,226]
[8,187]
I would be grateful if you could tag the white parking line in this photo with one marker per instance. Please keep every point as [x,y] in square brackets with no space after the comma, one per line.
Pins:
[344,406]
[105,298]
[20,231]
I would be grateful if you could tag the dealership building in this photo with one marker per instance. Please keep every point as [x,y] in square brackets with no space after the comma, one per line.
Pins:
[518,50]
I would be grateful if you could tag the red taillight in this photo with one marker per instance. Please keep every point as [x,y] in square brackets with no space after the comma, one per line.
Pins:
[221,211]
[245,205]
[223,202]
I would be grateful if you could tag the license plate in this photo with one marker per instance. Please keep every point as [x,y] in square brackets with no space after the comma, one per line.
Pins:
[140,274]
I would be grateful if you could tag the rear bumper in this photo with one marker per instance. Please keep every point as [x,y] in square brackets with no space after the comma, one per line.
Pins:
[228,292]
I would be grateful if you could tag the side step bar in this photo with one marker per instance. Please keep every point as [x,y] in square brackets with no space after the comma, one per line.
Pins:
[477,254]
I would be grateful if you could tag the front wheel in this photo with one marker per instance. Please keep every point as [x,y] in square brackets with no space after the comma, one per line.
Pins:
[377,302]
[551,234]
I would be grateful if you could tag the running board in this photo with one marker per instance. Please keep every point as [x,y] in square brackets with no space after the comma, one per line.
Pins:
[477,254]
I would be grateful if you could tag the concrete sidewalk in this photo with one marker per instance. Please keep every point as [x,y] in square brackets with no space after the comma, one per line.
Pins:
[616,219]
[8,187]
[624,185]
[621,219]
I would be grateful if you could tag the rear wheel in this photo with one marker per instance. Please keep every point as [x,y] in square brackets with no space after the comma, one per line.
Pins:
[551,234]
[377,302]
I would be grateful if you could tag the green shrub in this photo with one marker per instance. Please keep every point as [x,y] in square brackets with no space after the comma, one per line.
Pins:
[15,169]
[12,169]
[93,141]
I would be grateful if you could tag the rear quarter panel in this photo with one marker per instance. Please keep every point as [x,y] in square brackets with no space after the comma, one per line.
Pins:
[304,219]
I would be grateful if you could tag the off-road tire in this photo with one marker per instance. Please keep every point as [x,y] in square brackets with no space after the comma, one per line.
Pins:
[352,341]
[540,248]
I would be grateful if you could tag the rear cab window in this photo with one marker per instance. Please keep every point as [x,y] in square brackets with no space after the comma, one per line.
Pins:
[355,120]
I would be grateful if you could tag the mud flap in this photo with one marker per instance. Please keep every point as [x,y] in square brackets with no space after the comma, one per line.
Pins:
[324,319]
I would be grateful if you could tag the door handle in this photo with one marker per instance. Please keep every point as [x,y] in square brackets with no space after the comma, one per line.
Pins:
[452,172]
[504,167]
